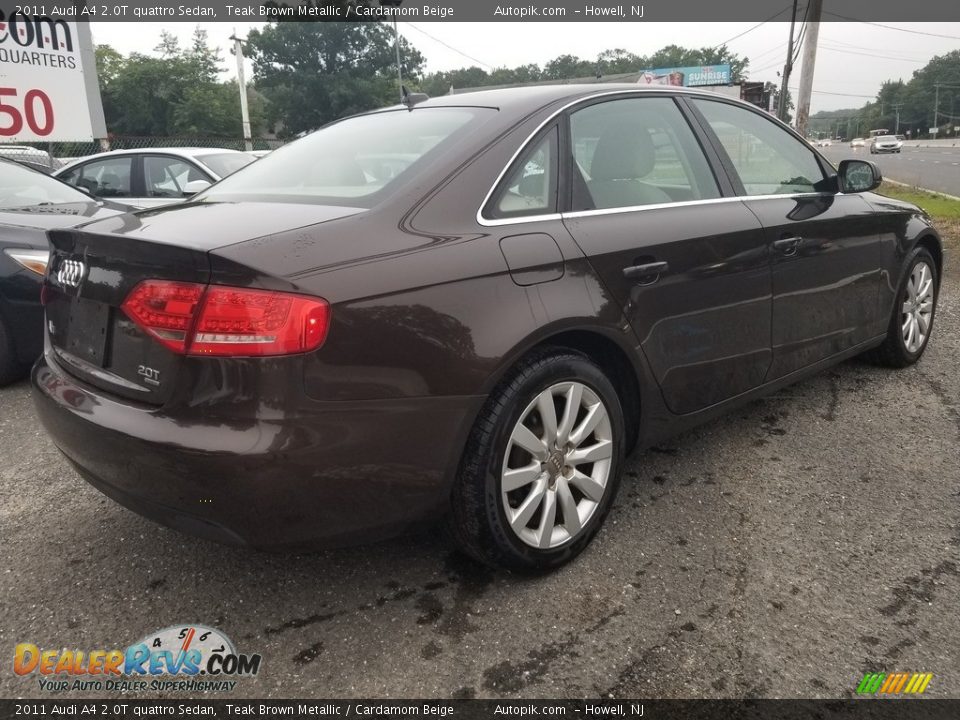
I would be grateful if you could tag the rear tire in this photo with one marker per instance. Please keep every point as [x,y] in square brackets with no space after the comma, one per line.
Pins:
[11,369]
[536,509]
[914,308]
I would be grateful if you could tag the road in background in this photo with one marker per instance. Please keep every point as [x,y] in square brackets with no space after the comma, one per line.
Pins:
[781,551]
[934,168]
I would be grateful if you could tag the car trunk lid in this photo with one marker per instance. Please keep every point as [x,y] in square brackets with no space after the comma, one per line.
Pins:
[88,278]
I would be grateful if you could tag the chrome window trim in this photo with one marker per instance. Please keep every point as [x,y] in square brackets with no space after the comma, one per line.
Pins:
[497,222]
[653,206]
[491,222]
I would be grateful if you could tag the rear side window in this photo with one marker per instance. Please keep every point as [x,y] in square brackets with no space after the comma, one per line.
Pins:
[531,186]
[107,178]
[352,162]
[768,159]
[636,151]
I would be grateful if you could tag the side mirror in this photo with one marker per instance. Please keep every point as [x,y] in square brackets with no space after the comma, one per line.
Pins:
[84,189]
[195,186]
[858,176]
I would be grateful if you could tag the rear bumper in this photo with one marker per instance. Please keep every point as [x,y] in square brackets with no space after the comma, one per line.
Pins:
[344,473]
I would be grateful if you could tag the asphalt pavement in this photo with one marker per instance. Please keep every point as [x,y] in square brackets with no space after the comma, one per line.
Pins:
[781,551]
[935,168]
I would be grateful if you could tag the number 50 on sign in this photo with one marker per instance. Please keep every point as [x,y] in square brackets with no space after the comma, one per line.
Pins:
[48,88]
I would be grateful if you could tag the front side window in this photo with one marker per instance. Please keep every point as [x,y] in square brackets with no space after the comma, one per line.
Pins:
[636,151]
[167,177]
[531,186]
[768,159]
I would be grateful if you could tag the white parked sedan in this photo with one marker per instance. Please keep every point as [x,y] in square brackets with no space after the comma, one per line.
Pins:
[152,177]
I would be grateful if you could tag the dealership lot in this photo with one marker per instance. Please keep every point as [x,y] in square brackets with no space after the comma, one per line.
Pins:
[782,551]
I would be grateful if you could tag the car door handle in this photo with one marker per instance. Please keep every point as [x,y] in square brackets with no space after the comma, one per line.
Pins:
[788,245]
[647,273]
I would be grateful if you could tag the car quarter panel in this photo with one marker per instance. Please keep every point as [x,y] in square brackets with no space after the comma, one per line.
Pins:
[901,226]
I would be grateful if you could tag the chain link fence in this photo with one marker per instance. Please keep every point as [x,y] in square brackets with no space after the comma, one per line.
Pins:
[52,156]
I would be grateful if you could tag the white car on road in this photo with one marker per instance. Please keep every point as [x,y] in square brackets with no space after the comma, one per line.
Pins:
[886,143]
[151,177]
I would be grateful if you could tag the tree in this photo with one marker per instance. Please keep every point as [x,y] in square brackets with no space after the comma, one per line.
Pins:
[313,73]
[676,56]
[568,67]
[178,91]
[613,62]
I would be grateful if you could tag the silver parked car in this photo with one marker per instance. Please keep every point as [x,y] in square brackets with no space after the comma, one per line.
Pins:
[152,177]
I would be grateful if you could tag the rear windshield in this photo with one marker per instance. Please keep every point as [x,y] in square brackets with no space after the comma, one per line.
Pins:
[352,162]
[21,187]
[224,164]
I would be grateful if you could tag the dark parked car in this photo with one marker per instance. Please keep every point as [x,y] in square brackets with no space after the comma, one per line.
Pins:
[31,203]
[472,308]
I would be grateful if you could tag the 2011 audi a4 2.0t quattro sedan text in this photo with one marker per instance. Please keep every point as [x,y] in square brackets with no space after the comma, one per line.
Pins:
[469,308]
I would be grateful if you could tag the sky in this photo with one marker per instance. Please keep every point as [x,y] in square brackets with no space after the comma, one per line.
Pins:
[853,59]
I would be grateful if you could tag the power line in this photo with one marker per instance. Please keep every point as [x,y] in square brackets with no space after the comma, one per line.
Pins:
[826,92]
[799,44]
[891,27]
[450,47]
[759,24]
[844,43]
[884,57]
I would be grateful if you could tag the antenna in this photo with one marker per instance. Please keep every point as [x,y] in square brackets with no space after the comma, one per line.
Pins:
[410,99]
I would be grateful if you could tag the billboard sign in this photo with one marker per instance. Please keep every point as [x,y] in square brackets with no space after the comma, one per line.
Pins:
[688,76]
[48,80]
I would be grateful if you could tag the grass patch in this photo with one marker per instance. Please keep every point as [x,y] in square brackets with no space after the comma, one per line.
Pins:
[944,211]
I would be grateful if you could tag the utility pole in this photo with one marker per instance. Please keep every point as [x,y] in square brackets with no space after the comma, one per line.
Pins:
[809,64]
[936,104]
[897,106]
[242,82]
[788,66]
[396,45]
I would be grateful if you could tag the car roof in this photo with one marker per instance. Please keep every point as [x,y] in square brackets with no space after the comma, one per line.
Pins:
[533,97]
[188,152]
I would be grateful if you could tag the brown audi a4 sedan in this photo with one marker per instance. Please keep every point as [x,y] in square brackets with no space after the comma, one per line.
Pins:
[469,308]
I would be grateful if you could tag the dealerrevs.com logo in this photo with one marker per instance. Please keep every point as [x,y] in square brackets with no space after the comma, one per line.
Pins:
[192,658]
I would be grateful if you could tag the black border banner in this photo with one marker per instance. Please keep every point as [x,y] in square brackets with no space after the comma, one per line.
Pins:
[638,11]
[873,708]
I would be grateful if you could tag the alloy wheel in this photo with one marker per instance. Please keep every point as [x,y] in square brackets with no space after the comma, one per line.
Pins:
[557,465]
[917,310]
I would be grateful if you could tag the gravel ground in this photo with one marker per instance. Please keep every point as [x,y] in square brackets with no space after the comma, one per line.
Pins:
[781,551]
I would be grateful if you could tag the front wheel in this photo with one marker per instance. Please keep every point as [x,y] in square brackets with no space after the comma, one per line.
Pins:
[914,307]
[542,464]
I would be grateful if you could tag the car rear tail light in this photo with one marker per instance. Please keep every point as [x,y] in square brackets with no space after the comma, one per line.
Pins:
[225,321]
[165,309]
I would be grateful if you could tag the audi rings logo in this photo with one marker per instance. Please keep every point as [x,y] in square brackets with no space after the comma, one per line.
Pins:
[70,273]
